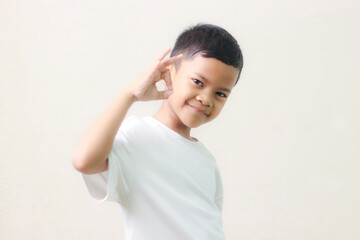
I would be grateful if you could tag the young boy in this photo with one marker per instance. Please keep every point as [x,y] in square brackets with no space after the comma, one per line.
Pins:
[167,184]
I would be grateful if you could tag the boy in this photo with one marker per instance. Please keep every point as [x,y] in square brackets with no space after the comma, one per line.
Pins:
[166,182]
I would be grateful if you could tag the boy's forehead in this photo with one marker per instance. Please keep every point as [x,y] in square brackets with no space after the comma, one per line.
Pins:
[210,69]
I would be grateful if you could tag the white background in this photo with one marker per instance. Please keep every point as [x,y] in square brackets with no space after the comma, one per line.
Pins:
[287,141]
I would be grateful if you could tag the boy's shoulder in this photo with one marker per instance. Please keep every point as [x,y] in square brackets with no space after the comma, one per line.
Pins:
[149,134]
[130,118]
[130,122]
[135,126]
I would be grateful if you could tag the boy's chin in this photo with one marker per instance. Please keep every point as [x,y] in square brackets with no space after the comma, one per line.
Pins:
[192,122]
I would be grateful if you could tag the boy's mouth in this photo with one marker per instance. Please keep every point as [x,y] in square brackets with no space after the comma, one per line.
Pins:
[199,110]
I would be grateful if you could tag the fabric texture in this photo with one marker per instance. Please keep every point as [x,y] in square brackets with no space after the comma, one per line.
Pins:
[167,186]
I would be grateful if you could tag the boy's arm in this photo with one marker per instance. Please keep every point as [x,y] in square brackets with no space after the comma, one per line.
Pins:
[90,156]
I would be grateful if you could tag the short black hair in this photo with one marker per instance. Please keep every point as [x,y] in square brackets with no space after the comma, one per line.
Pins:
[211,40]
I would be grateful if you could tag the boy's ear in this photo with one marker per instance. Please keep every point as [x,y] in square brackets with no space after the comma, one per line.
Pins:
[168,68]
[172,70]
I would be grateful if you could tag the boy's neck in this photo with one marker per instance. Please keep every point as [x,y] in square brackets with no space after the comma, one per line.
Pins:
[171,120]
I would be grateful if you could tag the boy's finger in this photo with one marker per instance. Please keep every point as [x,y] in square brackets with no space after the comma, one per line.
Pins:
[167,80]
[163,54]
[169,61]
[157,60]
[163,94]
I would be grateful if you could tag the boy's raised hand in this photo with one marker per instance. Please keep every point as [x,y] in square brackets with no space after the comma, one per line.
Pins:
[144,87]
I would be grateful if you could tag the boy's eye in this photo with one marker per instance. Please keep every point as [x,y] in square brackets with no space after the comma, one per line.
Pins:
[195,80]
[223,95]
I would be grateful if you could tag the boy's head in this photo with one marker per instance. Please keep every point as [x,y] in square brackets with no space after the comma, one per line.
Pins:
[212,42]
[202,80]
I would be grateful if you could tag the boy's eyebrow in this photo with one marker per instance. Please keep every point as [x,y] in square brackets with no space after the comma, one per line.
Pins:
[223,89]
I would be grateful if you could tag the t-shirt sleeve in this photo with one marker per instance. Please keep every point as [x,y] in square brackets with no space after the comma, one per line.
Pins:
[114,184]
[219,193]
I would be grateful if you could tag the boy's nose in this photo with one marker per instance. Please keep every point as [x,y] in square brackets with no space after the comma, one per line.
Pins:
[204,99]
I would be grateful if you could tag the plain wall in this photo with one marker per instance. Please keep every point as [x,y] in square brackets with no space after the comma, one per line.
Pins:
[287,141]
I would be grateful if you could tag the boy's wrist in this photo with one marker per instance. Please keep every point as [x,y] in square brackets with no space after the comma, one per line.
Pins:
[125,92]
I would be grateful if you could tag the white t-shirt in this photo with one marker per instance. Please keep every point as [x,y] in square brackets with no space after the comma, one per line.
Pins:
[167,186]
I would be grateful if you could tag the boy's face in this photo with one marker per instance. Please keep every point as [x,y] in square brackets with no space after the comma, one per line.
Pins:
[192,92]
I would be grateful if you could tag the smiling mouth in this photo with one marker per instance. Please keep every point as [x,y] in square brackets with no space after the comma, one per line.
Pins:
[198,110]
